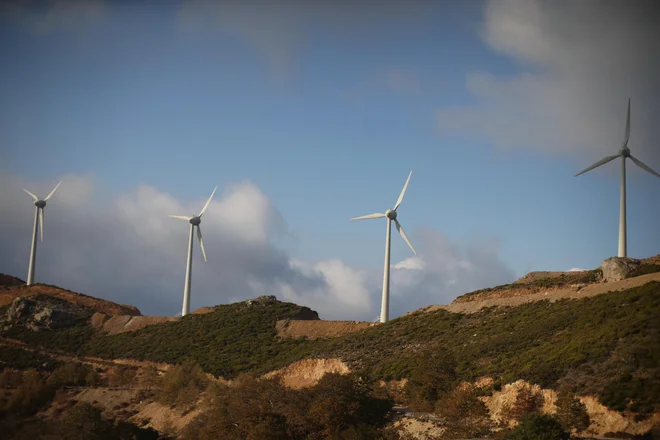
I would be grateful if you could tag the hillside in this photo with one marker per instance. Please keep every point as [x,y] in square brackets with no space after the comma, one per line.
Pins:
[588,343]
[12,287]
[602,346]
[547,282]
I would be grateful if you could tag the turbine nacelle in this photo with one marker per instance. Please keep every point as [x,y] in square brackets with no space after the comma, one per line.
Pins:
[40,204]
[625,152]
[390,214]
[195,220]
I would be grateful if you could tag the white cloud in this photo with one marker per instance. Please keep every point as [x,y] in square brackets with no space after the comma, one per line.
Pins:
[576,269]
[579,62]
[442,270]
[124,248]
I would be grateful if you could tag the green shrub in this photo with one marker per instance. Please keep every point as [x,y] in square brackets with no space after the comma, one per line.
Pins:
[536,426]
[571,413]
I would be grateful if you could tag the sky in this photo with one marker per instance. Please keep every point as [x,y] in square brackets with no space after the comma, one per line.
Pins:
[305,114]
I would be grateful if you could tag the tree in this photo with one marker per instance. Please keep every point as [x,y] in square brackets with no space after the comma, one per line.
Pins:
[432,374]
[571,413]
[537,426]
[528,400]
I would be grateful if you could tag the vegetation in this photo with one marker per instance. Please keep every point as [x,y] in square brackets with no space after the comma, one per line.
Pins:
[645,269]
[536,426]
[571,413]
[82,421]
[338,407]
[69,339]
[18,358]
[182,385]
[235,338]
[540,342]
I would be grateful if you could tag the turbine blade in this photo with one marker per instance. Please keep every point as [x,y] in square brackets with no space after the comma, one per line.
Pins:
[180,217]
[41,223]
[597,164]
[53,191]
[201,242]
[644,167]
[403,234]
[207,202]
[403,192]
[364,217]
[31,195]
[625,139]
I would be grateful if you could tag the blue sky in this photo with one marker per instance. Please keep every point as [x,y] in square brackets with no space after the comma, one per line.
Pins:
[325,109]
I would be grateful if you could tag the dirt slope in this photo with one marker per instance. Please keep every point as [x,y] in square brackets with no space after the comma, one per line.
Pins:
[315,329]
[548,294]
[125,323]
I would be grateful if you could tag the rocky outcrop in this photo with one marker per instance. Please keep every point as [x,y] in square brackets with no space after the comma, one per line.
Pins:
[617,269]
[43,315]
[9,292]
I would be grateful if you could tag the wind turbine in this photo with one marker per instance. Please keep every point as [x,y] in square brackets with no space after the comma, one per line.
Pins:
[38,221]
[194,221]
[390,214]
[623,154]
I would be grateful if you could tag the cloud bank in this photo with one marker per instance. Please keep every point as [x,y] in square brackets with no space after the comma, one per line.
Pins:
[124,248]
[578,63]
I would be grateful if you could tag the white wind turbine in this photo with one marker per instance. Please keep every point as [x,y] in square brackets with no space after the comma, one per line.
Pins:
[390,214]
[38,221]
[623,154]
[194,221]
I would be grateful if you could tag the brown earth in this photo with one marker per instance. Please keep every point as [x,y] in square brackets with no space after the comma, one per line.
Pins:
[9,292]
[307,372]
[125,323]
[315,329]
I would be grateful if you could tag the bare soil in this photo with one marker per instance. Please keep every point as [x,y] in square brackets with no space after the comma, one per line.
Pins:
[315,329]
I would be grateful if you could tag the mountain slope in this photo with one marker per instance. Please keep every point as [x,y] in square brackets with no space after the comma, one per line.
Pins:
[607,344]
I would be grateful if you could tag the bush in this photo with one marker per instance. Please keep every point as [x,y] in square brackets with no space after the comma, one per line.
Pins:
[528,400]
[123,376]
[536,426]
[338,408]
[432,374]
[571,413]
[30,396]
[182,385]
[466,414]
[72,373]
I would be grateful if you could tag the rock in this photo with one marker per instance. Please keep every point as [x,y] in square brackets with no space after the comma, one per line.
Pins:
[617,269]
[37,315]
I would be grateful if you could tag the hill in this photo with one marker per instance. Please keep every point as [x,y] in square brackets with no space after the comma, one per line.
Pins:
[591,343]
[12,287]
[601,345]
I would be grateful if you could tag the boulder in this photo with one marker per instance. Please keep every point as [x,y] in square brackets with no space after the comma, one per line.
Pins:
[37,315]
[619,268]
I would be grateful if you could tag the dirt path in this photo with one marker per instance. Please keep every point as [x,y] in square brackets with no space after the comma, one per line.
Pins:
[551,295]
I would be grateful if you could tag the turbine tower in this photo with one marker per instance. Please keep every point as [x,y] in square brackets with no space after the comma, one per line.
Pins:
[38,221]
[194,221]
[390,214]
[623,154]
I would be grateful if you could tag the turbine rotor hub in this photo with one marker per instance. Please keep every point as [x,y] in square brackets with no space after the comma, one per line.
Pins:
[391,214]
[40,203]
[625,152]
[195,221]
